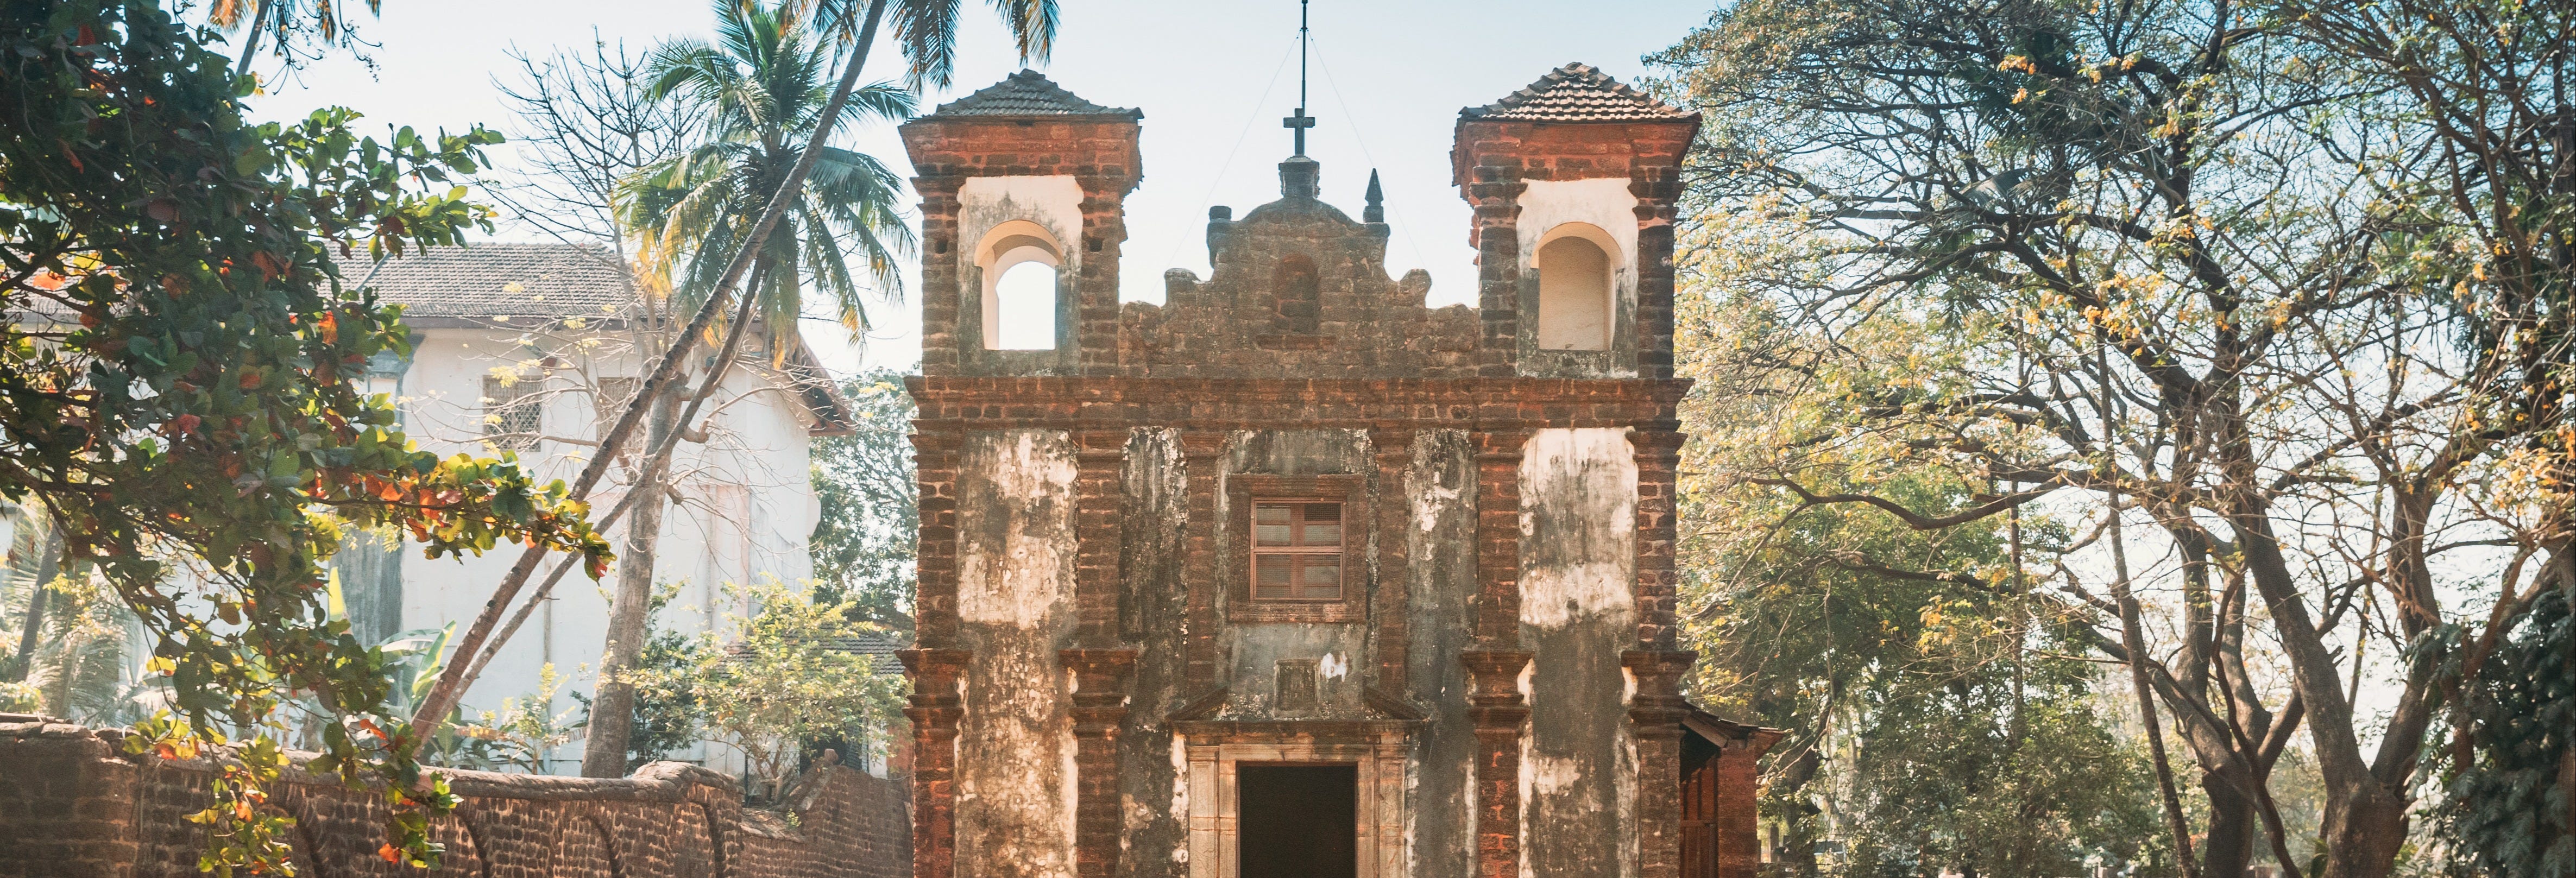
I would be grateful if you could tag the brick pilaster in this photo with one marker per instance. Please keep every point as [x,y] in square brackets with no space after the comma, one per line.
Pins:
[939,272]
[1494,191]
[1099,463]
[1739,827]
[935,553]
[1655,720]
[1100,681]
[1498,537]
[1500,713]
[1658,454]
[1393,613]
[1104,231]
[1657,185]
[936,708]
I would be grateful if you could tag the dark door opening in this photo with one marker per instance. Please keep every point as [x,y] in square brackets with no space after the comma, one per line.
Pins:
[1699,807]
[1297,821]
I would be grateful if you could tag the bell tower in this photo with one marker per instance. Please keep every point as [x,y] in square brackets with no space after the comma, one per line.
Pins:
[1022,173]
[1580,167]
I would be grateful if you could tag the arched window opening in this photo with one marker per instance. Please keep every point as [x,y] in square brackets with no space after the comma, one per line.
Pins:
[1299,296]
[1024,305]
[1574,293]
[1022,264]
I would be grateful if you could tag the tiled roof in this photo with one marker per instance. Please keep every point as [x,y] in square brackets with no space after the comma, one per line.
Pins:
[1027,93]
[492,279]
[1577,93]
[878,646]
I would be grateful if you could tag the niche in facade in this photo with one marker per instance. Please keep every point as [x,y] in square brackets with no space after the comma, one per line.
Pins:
[1298,296]
[1022,267]
[1575,292]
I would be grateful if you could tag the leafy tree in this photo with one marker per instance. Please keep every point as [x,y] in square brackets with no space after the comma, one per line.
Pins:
[666,718]
[1968,774]
[863,542]
[780,681]
[762,96]
[2510,811]
[2167,250]
[177,392]
[2490,229]
[1936,724]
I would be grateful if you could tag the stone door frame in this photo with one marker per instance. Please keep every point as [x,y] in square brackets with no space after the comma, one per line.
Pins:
[1377,748]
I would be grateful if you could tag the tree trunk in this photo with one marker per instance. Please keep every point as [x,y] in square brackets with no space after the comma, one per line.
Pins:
[250,44]
[612,707]
[47,565]
[2365,819]
[2233,826]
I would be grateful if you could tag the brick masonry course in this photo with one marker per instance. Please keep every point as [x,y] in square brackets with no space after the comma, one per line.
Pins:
[74,805]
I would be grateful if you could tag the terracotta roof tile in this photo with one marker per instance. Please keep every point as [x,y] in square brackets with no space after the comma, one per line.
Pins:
[1577,93]
[878,646]
[499,282]
[493,279]
[1027,93]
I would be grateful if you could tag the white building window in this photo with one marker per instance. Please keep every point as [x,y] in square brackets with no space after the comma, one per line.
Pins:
[513,411]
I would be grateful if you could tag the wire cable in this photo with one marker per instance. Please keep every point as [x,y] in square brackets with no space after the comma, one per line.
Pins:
[1411,242]
[1207,200]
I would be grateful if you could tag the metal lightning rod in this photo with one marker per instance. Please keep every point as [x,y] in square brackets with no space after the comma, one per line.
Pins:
[1300,122]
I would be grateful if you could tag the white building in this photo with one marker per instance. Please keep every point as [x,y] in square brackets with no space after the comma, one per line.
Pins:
[532,348]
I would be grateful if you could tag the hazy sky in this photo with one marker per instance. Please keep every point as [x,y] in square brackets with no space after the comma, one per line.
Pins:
[1213,78]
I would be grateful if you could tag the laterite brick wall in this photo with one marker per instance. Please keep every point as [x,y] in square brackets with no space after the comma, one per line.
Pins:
[72,805]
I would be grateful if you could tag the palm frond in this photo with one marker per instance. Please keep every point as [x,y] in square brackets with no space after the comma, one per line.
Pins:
[927,30]
[1032,24]
[760,85]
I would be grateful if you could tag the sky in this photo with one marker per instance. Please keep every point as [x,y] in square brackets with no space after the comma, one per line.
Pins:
[1213,78]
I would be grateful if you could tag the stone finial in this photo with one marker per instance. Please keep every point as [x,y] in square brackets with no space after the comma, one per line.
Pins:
[1375,212]
[1220,221]
[1300,177]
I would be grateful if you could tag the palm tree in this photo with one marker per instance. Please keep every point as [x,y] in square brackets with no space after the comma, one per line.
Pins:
[761,87]
[262,16]
[926,29]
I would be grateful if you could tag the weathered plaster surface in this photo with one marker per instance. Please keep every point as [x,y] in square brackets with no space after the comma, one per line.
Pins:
[1441,494]
[1153,614]
[1052,202]
[1604,202]
[1015,574]
[1254,651]
[1578,556]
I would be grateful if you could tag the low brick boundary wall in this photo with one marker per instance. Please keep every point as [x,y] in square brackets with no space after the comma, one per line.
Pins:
[73,805]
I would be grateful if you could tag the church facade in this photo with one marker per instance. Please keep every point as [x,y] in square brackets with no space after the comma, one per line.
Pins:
[1292,576]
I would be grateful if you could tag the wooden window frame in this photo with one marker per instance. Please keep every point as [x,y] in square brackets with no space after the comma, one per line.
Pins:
[1349,490]
[525,407]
